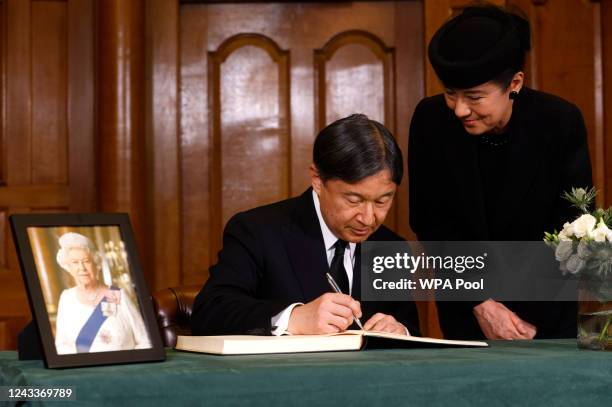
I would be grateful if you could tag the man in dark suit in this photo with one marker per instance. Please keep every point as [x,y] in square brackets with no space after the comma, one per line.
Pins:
[270,277]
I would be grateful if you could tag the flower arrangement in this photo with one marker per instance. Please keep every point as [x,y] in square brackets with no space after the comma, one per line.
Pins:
[584,247]
[584,244]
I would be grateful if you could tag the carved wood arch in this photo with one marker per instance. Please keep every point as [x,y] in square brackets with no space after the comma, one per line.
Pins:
[385,54]
[216,59]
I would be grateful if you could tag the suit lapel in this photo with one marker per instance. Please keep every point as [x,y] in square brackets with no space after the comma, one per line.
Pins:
[304,244]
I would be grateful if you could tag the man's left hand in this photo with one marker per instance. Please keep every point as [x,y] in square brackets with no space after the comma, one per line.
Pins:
[385,323]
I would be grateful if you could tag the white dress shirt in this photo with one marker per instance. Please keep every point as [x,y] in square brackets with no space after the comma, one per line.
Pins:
[280,321]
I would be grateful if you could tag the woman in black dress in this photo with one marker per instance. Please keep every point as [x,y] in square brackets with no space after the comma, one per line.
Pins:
[489,160]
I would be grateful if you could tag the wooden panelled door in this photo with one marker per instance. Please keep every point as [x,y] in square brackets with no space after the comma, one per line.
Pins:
[257,83]
[47,137]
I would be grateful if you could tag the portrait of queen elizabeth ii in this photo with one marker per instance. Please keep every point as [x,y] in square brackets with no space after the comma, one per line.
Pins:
[93,316]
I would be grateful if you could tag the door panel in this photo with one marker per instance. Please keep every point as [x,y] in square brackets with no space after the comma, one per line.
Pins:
[258,81]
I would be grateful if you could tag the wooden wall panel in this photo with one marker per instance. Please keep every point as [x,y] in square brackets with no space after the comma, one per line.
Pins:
[2,88]
[49,93]
[163,152]
[250,92]
[122,145]
[47,96]
[354,65]
[194,145]
[355,74]
[18,90]
[570,75]
[81,106]
[410,76]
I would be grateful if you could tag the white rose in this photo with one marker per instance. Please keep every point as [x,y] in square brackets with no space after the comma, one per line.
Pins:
[575,264]
[564,250]
[563,237]
[601,232]
[584,225]
[568,230]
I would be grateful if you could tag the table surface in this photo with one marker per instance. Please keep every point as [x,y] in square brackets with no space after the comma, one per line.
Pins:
[542,372]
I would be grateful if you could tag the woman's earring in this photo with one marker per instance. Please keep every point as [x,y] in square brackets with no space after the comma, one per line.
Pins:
[513,95]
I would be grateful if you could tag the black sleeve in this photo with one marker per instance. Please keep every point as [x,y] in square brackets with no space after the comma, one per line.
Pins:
[415,171]
[575,165]
[558,319]
[228,303]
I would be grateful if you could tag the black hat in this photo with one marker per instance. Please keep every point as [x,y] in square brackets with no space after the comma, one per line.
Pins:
[478,45]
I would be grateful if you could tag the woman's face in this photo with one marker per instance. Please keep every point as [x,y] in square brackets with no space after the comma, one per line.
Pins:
[485,108]
[82,267]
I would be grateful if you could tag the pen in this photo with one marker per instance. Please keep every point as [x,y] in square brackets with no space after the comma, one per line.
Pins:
[335,287]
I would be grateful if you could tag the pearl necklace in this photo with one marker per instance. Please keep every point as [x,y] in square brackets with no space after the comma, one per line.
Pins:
[494,140]
[92,298]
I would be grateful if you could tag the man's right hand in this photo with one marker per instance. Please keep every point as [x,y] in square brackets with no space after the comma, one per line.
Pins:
[330,313]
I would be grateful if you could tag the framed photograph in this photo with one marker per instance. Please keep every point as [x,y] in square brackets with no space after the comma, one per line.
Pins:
[86,289]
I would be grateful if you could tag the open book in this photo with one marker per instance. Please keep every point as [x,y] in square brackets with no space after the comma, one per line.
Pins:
[348,340]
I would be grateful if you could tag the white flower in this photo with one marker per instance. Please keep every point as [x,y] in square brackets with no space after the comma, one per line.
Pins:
[584,225]
[568,231]
[601,232]
[609,236]
[579,193]
[575,264]
[564,250]
[563,237]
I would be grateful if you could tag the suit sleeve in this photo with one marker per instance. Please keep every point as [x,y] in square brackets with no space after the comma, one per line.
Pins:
[228,303]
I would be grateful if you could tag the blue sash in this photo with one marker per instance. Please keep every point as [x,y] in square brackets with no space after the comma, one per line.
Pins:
[90,329]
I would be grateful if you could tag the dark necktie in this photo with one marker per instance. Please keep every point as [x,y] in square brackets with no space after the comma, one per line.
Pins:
[336,269]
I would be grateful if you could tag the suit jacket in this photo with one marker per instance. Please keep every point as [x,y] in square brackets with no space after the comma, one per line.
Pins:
[547,155]
[272,257]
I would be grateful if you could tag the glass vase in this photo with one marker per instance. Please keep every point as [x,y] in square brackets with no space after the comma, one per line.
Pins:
[594,316]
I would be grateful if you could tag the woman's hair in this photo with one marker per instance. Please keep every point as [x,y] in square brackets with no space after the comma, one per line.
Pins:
[355,148]
[483,43]
[71,240]
[504,79]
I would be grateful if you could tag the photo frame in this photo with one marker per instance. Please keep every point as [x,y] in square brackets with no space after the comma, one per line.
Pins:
[86,289]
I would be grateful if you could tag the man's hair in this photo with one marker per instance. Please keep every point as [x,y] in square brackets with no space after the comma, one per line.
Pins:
[355,148]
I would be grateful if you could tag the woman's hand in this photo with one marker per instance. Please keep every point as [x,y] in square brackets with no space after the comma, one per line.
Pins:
[498,322]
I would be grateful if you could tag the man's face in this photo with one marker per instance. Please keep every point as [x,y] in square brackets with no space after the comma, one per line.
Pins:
[81,266]
[485,108]
[354,211]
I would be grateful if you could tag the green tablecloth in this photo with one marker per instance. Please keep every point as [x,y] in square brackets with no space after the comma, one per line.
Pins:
[550,373]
